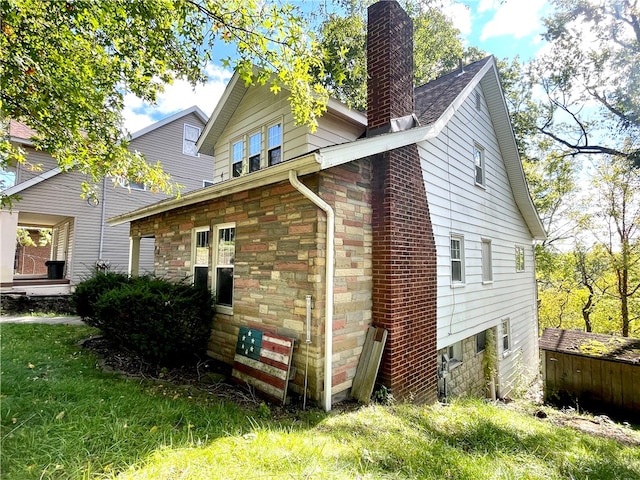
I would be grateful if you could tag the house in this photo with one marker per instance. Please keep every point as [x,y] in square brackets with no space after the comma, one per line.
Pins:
[51,199]
[415,218]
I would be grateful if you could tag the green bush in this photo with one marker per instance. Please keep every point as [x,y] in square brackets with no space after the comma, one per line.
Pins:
[88,292]
[165,322]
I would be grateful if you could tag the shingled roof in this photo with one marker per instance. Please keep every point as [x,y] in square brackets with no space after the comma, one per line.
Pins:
[433,98]
[575,342]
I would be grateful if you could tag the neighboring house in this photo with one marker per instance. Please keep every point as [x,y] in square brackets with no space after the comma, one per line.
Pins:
[415,218]
[50,198]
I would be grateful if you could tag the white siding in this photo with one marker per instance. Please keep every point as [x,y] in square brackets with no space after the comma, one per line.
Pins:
[459,206]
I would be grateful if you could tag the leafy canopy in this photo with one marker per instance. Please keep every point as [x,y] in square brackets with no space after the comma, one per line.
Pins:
[66,66]
[437,48]
[590,77]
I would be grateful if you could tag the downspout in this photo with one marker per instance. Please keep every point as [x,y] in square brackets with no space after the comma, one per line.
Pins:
[102,216]
[329,272]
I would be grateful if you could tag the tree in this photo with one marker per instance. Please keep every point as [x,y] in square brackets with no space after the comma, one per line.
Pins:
[66,66]
[590,78]
[617,184]
[437,48]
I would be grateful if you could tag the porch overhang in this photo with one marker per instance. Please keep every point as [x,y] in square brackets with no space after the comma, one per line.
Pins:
[304,165]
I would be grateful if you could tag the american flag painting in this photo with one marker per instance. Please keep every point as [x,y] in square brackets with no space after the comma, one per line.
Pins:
[263,360]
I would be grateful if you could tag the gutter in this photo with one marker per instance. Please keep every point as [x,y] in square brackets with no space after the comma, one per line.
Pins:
[329,274]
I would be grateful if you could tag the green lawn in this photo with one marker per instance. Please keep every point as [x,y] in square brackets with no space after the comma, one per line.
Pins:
[62,417]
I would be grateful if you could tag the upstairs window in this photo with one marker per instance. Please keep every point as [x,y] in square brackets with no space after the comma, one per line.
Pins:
[457,259]
[189,140]
[237,158]
[478,159]
[275,144]
[487,267]
[257,150]
[519,258]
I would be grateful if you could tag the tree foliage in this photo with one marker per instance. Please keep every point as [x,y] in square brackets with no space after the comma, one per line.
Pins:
[66,66]
[437,48]
[590,77]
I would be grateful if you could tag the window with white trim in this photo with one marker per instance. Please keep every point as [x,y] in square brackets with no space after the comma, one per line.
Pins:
[237,158]
[224,255]
[207,183]
[263,149]
[255,148]
[189,139]
[479,165]
[519,258]
[274,150]
[487,267]
[457,259]
[506,335]
[201,255]
[131,185]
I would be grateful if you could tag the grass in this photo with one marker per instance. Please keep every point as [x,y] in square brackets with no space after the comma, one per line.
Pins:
[64,418]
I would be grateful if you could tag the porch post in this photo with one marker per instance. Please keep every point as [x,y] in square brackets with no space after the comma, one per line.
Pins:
[8,227]
[134,256]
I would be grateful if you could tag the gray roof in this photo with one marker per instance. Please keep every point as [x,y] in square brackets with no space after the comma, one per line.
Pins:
[433,98]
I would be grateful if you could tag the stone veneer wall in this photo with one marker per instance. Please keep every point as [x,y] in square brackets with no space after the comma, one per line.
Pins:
[466,378]
[280,258]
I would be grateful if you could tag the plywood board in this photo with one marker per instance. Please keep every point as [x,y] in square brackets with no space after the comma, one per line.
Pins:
[369,364]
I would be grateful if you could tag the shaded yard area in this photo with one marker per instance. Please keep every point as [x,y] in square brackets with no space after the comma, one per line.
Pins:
[63,416]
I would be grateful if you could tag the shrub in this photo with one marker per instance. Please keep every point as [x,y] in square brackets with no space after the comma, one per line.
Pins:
[87,293]
[166,323]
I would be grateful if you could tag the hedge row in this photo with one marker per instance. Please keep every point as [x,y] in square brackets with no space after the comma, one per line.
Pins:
[166,323]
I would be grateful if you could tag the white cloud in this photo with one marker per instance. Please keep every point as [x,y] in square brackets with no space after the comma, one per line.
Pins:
[513,18]
[176,97]
[459,14]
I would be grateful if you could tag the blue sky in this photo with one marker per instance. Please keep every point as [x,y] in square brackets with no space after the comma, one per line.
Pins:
[504,28]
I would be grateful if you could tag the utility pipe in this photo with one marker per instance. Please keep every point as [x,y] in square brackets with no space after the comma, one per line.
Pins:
[329,272]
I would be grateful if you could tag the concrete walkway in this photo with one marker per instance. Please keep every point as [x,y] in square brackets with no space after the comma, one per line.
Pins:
[62,320]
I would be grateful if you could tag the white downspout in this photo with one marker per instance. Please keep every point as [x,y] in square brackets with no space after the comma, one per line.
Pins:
[329,269]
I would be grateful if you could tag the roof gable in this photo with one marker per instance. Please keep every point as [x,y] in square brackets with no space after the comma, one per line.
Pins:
[171,118]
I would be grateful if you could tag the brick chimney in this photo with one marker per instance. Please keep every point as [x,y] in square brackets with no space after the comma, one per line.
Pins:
[404,252]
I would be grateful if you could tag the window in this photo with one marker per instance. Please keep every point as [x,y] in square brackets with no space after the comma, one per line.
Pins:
[519,259]
[506,335]
[481,341]
[457,259]
[255,147]
[133,185]
[478,158]
[455,354]
[207,183]
[274,151]
[189,140]
[225,250]
[263,149]
[201,257]
[487,267]
[237,158]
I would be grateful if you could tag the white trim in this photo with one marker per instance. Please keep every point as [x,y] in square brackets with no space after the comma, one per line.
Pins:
[32,181]
[303,165]
[161,123]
